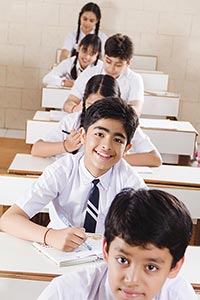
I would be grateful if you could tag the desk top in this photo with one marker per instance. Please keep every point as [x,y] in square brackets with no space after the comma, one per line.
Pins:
[26,262]
[29,165]
[173,175]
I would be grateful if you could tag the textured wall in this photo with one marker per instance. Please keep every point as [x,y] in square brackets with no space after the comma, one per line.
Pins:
[31,30]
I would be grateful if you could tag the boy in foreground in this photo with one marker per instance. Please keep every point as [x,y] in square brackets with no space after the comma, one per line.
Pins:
[146,235]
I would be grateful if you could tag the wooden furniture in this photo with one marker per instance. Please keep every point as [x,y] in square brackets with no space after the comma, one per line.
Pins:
[53,97]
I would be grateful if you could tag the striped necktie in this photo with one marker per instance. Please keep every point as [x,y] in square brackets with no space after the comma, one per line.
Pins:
[92,208]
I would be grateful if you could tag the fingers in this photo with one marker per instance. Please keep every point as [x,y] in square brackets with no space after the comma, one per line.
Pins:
[73,238]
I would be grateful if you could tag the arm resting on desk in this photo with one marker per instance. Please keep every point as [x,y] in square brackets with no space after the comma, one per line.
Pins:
[72,104]
[149,159]
[16,222]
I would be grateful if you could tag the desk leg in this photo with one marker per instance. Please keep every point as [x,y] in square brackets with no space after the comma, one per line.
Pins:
[197,234]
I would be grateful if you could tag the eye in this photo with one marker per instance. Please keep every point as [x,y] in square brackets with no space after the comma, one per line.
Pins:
[120,141]
[99,134]
[151,268]
[122,260]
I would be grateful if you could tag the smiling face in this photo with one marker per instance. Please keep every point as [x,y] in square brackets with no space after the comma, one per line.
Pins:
[135,272]
[105,144]
[88,21]
[114,66]
[86,56]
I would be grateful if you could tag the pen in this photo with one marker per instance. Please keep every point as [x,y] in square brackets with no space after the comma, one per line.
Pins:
[66,222]
[67,132]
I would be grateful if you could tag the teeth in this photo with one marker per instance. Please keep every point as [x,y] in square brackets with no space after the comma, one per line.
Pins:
[103,154]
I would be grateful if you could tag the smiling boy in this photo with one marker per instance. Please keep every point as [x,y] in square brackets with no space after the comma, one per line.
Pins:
[146,235]
[109,125]
[116,61]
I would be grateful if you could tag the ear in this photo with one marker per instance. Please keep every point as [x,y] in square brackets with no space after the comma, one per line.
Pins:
[127,148]
[105,250]
[128,62]
[83,135]
[174,271]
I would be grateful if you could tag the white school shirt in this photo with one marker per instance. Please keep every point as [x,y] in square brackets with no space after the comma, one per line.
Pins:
[62,71]
[130,83]
[70,40]
[92,282]
[66,183]
[140,142]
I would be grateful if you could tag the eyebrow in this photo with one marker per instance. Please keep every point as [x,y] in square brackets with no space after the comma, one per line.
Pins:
[108,131]
[149,259]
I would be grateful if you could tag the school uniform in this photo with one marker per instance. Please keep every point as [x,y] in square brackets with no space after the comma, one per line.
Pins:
[61,72]
[92,282]
[66,183]
[130,83]
[70,40]
[140,141]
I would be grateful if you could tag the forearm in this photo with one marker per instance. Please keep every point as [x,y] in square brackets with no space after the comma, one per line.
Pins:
[150,159]
[64,54]
[71,103]
[47,149]
[16,222]
[137,105]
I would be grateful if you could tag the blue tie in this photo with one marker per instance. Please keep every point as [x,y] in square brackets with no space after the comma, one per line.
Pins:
[92,208]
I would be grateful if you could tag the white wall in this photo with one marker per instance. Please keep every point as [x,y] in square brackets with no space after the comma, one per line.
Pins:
[31,30]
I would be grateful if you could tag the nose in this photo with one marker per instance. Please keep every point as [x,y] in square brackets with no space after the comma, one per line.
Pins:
[132,275]
[107,144]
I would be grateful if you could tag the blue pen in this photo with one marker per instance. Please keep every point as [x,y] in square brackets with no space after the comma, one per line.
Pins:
[66,222]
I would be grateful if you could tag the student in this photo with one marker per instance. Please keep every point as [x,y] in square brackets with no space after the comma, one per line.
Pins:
[69,69]
[116,61]
[146,235]
[108,128]
[88,22]
[58,142]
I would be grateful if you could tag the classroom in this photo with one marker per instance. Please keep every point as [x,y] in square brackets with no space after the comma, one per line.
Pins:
[166,39]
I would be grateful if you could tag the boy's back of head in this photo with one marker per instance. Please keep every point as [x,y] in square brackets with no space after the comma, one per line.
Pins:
[120,46]
[151,216]
[112,108]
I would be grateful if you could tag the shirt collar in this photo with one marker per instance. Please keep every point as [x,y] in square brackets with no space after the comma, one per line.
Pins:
[87,177]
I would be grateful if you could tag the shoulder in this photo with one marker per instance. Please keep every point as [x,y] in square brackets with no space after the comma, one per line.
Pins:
[131,74]
[128,175]
[70,119]
[102,36]
[88,278]
[177,289]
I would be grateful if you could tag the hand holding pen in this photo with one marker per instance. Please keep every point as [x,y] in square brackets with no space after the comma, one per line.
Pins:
[73,140]
[65,221]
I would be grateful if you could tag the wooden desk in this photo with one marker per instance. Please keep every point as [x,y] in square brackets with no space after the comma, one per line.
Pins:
[154,80]
[161,105]
[182,182]
[31,264]
[36,130]
[172,138]
[27,164]
[54,97]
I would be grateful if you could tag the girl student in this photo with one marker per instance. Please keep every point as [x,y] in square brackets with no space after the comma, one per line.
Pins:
[88,22]
[64,74]
[67,137]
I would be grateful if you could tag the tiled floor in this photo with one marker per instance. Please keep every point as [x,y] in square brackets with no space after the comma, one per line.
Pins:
[11,133]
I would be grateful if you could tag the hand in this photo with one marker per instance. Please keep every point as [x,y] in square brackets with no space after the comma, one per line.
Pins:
[66,239]
[68,82]
[73,141]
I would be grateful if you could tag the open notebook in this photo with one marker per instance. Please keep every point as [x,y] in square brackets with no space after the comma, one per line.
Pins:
[79,255]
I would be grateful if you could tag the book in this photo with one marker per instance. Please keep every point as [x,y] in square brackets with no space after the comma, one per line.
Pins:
[80,255]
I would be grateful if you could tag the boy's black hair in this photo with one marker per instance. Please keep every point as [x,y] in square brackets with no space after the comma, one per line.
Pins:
[105,85]
[112,108]
[151,216]
[90,40]
[93,7]
[120,46]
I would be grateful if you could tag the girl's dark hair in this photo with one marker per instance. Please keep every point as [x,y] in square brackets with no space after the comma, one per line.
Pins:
[149,216]
[105,85]
[90,40]
[91,7]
